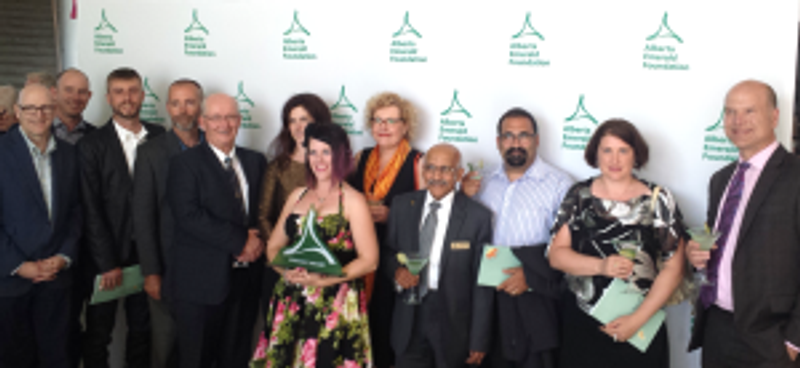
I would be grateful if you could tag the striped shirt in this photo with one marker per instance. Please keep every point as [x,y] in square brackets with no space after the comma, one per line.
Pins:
[44,169]
[525,209]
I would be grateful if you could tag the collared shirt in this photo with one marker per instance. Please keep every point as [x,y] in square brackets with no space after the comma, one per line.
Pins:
[724,281]
[442,220]
[201,137]
[72,137]
[44,169]
[524,209]
[130,141]
[237,168]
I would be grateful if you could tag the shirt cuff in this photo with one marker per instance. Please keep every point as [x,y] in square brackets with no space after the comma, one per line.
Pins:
[14,273]
[66,259]
[795,348]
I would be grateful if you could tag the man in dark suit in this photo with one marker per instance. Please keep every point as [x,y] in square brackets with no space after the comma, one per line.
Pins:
[749,316]
[452,325]
[71,95]
[217,255]
[152,219]
[107,158]
[40,223]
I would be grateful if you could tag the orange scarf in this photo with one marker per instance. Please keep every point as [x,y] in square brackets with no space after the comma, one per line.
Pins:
[377,186]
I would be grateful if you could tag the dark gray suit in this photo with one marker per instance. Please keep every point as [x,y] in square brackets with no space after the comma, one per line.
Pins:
[766,266]
[153,227]
[459,313]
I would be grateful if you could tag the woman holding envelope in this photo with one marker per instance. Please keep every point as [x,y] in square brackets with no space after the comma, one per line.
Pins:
[621,236]
[317,320]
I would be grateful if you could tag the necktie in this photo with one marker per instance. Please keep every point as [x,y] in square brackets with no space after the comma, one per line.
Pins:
[708,293]
[426,235]
[237,188]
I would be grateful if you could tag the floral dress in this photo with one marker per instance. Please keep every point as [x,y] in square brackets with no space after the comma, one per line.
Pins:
[309,327]
[596,227]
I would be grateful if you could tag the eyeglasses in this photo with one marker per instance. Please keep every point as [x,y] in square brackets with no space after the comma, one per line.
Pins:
[233,118]
[440,169]
[390,121]
[509,137]
[32,110]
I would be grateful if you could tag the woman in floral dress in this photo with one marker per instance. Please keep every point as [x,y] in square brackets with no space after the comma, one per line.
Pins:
[316,320]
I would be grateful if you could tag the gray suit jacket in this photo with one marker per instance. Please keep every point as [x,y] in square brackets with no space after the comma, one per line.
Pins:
[467,323]
[152,219]
[766,262]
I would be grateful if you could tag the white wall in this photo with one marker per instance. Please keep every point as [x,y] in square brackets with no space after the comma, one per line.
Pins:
[594,49]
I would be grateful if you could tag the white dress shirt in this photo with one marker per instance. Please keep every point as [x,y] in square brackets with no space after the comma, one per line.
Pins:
[237,168]
[443,218]
[130,141]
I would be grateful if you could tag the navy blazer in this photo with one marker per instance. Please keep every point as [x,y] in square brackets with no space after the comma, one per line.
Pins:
[210,230]
[27,233]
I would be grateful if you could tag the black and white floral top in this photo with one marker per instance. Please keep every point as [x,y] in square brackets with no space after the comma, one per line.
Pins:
[597,226]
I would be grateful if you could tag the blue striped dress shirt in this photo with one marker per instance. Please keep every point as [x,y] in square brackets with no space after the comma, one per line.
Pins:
[525,209]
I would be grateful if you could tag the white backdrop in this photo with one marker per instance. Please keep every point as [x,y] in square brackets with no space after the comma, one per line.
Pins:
[663,65]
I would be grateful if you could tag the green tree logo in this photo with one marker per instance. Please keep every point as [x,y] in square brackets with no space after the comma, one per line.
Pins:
[664,31]
[406,28]
[104,23]
[581,113]
[296,27]
[343,102]
[148,92]
[196,25]
[456,107]
[719,123]
[527,29]
[241,97]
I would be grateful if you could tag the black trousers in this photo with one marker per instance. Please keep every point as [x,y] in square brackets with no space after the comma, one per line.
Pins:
[100,321]
[220,334]
[381,310]
[426,348]
[164,334]
[34,328]
[723,346]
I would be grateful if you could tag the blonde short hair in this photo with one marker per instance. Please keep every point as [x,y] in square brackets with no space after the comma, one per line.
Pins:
[385,99]
[8,97]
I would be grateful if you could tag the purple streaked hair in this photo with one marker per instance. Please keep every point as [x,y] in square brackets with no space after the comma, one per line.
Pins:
[342,155]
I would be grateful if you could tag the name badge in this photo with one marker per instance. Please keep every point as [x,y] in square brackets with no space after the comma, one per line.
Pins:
[459,245]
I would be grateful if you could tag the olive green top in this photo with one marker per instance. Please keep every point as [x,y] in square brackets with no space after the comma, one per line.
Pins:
[277,185]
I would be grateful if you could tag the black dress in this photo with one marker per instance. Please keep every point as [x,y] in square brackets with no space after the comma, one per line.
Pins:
[381,306]
[595,225]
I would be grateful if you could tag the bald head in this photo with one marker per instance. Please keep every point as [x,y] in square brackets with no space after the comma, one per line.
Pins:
[220,120]
[442,169]
[751,117]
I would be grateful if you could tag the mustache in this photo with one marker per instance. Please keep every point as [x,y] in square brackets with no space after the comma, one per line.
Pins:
[435,182]
[516,150]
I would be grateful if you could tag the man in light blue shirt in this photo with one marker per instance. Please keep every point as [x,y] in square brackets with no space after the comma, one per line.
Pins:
[524,194]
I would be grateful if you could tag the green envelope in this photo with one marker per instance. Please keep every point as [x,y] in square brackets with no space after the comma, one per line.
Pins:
[309,251]
[616,302]
[495,259]
[132,283]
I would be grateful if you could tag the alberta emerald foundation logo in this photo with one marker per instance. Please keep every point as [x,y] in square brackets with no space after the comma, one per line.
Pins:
[195,38]
[150,104]
[661,49]
[104,42]
[405,44]
[295,45]
[454,122]
[525,48]
[343,113]
[245,107]
[578,128]
[716,145]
